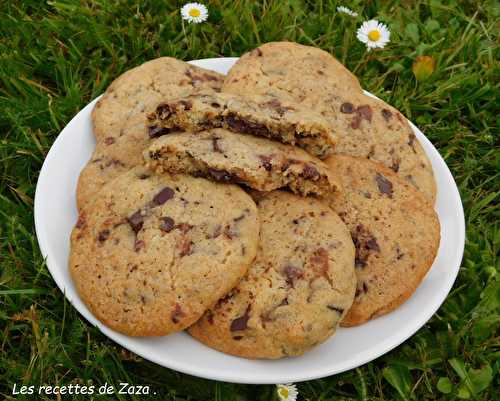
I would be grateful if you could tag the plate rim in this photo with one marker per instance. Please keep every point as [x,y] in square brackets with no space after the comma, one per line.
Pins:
[319,372]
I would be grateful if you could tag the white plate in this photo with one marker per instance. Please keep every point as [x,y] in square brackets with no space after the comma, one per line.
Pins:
[55,215]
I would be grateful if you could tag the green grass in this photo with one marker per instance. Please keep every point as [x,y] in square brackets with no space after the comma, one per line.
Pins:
[56,56]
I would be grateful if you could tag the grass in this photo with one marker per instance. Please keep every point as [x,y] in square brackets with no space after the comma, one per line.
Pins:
[56,56]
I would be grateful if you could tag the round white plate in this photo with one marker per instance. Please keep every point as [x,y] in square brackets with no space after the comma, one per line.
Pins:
[55,215]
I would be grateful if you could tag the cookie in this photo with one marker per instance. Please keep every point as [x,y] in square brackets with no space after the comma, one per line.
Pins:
[295,293]
[225,156]
[119,116]
[270,117]
[138,90]
[152,253]
[364,126]
[395,230]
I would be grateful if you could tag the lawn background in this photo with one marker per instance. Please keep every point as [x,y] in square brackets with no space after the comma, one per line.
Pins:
[56,56]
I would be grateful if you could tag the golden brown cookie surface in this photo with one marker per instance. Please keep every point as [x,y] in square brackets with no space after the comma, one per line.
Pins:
[395,230]
[119,116]
[364,127]
[296,292]
[152,253]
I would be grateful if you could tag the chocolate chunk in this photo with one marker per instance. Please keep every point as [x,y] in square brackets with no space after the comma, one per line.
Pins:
[292,274]
[310,172]
[238,124]
[215,105]
[164,195]
[103,236]
[411,141]
[144,176]
[237,338]
[154,131]
[266,162]
[215,145]
[347,108]
[163,111]
[109,140]
[187,104]
[365,112]
[362,112]
[259,52]
[240,323]
[220,175]
[320,262]
[386,114]
[136,221]
[276,105]
[335,308]
[365,243]
[177,314]
[384,185]
[167,224]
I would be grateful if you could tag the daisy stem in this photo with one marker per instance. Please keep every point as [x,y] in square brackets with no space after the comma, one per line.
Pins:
[184,32]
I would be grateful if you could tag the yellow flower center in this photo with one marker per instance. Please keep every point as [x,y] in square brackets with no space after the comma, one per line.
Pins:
[194,12]
[283,392]
[374,35]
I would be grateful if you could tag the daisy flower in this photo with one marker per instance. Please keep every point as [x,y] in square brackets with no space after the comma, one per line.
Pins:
[287,392]
[373,34]
[194,13]
[346,10]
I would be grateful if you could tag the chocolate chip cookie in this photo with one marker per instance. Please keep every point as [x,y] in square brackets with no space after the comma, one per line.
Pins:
[395,230]
[270,117]
[118,117]
[296,292]
[225,156]
[364,126]
[152,253]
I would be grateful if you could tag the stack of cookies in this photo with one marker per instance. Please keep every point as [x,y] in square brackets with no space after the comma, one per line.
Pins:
[259,210]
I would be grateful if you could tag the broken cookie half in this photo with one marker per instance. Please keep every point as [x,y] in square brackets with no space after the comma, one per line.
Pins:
[258,163]
[266,116]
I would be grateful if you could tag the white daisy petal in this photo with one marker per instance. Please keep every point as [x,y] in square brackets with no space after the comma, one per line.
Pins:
[194,13]
[287,392]
[373,34]
[346,10]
